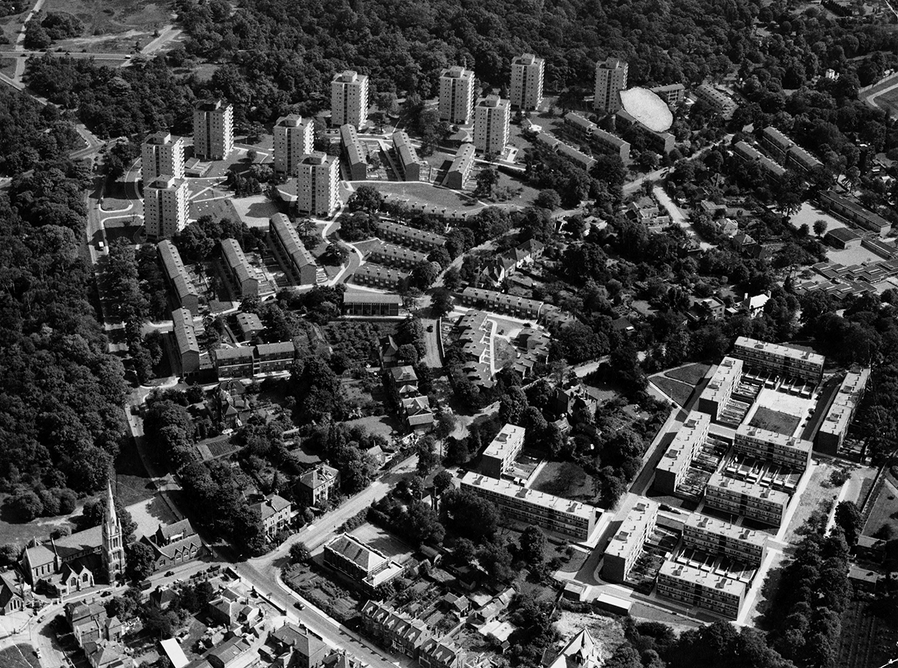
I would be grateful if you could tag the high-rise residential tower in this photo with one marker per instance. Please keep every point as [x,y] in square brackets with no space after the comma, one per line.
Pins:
[349,99]
[527,73]
[611,79]
[456,95]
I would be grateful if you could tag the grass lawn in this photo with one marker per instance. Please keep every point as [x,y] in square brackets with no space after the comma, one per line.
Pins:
[885,510]
[19,656]
[384,425]
[427,194]
[679,392]
[889,100]
[107,17]
[691,375]
[565,479]
[8,66]
[816,498]
[132,483]
[771,420]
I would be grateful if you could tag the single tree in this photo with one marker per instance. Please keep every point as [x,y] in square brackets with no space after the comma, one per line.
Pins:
[820,227]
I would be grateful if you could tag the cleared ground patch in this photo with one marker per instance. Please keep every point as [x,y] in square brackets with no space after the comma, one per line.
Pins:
[423,193]
[884,511]
[690,374]
[565,479]
[19,656]
[109,17]
[888,100]
[771,420]
[679,392]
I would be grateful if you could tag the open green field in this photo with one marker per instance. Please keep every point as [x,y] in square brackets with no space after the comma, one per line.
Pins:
[565,479]
[771,420]
[19,656]
[884,512]
[691,375]
[676,390]
[132,483]
[888,101]
[426,194]
[109,17]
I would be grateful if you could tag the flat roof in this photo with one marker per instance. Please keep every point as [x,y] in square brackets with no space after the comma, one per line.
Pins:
[725,376]
[779,350]
[725,529]
[371,298]
[774,437]
[509,438]
[701,578]
[541,499]
[747,488]
[630,534]
[679,452]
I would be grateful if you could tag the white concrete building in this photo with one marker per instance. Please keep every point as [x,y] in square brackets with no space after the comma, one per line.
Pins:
[527,74]
[611,79]
[317,177]
[293,138]
[213,129]
[456,95]
[349,99]
[165,207]
[161,154]
[491,124]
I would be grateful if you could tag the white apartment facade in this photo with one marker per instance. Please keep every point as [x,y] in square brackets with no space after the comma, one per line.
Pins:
[349,99]
[491,124]
[456,95]
[527,73]
[213,129]
[165,207]
[317,176]
[161,154]
[293,138]
[611,79]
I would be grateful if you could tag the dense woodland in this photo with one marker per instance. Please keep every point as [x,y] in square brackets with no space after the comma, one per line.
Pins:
[60,403]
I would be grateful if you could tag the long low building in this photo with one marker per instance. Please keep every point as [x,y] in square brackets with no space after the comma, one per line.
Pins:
[719,389]
[787,151]
[249,361]
[841,412]
[717,99]
[674,465]
[409,164]
[625,547]
[741,497]
[352,152]
[185,341]
[393,255]
[701,588]
[718,537]
[601,139]
[379,276]
[585,161]
[409,236]
[177,278]
[779,359]
[236,271]
[519,306]
[749,153]
[460,169]
[372,304]
[770,446]
[855,213]
[528,506]
[297,262]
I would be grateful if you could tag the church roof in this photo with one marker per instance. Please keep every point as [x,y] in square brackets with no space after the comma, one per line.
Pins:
[82,541]
[39,556]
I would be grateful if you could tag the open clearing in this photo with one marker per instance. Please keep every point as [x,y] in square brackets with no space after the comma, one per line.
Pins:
[771,420]
[423,193]
[691,374]
[885,510]
[110,17]
[679,392]
[18,656]
[565,479]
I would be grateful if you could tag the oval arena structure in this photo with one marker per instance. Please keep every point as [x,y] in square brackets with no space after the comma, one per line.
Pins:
[647,108]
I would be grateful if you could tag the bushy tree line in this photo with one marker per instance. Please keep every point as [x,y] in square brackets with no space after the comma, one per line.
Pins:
[62,393]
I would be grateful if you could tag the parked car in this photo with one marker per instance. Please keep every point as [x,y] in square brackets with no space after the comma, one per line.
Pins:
[299,606]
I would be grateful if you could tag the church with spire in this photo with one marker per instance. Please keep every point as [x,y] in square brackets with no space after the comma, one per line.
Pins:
[62,566]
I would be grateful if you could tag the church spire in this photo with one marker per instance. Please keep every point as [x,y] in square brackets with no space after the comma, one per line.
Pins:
[111,517]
